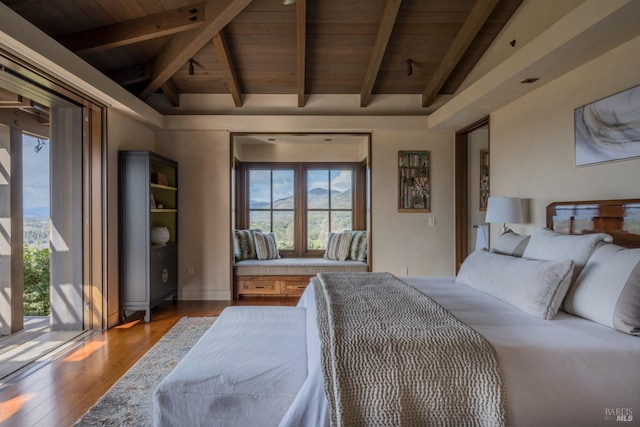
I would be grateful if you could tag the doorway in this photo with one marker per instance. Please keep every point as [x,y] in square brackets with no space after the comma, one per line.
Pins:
[470,157]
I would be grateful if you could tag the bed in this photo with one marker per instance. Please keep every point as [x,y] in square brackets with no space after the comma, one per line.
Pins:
[570,358]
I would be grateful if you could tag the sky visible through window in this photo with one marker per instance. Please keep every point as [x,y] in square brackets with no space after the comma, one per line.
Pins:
[35,177]
[260,183]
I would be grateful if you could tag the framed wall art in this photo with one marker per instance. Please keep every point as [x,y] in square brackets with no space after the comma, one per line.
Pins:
[414,181]
[608,129]
[484,179]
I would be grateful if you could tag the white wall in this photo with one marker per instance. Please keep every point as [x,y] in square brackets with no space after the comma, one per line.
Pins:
[123,133]
[405,239]
[204,211]
[532,139]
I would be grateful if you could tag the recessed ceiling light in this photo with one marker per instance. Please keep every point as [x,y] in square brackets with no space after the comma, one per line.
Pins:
[530,80]
[328,139]
[271,139]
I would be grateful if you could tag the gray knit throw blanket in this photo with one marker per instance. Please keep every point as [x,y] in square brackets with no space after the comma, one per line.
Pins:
[391,356]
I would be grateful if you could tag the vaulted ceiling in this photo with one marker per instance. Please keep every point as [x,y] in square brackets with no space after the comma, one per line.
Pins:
[241,47]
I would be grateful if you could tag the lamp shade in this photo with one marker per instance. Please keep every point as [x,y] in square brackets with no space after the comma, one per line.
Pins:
[504,210]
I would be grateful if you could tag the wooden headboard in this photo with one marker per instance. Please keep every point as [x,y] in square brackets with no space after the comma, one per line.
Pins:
[619,218]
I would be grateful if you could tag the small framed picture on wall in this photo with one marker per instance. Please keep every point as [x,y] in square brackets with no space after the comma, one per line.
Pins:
[484,179]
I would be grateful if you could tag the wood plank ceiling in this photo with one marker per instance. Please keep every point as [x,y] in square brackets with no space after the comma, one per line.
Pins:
[238,47]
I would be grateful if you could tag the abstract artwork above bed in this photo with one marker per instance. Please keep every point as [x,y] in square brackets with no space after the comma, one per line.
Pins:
[608,129]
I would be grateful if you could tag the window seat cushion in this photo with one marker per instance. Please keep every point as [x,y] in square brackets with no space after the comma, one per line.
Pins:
[296,267]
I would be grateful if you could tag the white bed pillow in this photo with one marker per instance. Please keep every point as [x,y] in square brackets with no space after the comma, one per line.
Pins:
[548,245]
[510,243]
[607,291]
[266,246]
[535,287]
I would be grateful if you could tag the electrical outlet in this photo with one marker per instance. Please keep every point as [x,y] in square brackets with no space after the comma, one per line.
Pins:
[432,220]
[404,271]
[190,270]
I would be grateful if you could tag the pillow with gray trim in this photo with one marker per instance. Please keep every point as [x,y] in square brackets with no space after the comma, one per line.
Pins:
[607,290]
[535,287]
[510,243]
[358,248]
[243,244]
[266,245]
[548,245]
[338,246]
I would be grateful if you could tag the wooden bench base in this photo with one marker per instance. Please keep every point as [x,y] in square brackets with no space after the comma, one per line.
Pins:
[292,286]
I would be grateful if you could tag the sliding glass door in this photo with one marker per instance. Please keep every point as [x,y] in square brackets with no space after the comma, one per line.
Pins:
[36,113]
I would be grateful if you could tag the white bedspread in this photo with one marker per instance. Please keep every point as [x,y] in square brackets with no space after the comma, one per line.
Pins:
[244,371]
[567,371]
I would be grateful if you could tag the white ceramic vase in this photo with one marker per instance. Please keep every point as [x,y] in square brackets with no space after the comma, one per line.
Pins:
[159,235]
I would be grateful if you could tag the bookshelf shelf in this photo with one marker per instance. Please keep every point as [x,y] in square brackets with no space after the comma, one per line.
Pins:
[414,181]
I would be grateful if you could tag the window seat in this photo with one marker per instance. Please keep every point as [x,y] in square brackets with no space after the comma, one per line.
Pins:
[285,276]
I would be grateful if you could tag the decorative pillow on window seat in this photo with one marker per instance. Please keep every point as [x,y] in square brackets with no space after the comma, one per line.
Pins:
[266,245]
[338,246]
[358,248]
[535,287]
[243,244]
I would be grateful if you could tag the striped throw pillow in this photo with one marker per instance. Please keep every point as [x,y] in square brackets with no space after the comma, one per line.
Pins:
[338,246]
[266,246]
[358,250]
[243,244]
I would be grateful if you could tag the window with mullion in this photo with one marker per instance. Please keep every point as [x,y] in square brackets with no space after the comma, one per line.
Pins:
[271,201]
[329,203]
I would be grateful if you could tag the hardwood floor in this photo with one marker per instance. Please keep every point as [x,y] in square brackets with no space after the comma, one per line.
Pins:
[61,391]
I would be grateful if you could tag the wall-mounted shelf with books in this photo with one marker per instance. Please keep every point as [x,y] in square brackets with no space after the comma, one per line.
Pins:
[414,181]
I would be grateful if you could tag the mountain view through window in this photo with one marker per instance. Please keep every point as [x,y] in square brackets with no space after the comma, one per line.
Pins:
[328,197]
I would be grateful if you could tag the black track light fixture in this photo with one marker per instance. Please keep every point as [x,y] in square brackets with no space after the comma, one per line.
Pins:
[409,67]
[191,67]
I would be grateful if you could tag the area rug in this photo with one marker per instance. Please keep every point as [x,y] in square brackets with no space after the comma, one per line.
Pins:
[129,401]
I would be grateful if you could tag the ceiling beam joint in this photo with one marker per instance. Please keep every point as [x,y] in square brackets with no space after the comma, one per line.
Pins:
[136,30]
[185,45]
[472,25]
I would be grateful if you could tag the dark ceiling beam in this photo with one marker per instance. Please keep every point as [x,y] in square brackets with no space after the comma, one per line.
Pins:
[227,68]
[136,30]
[301,38]
[130,75]
[474,22]
[382,39]
[185,45]
[170,90]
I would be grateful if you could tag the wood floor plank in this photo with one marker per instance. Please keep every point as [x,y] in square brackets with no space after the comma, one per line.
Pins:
[61,391]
